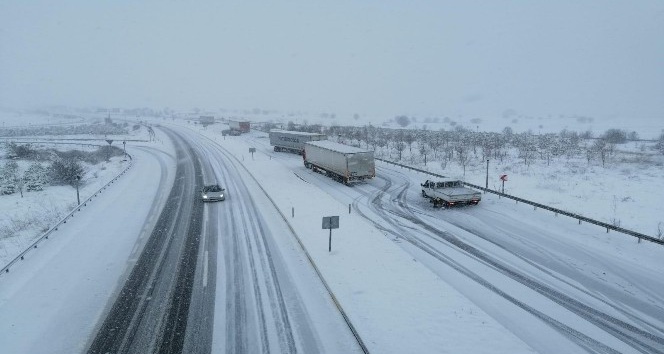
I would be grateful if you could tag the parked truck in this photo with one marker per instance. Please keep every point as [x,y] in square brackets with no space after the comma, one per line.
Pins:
[206,120]
[449,192]
[291,141]
[343,163]
[239,126]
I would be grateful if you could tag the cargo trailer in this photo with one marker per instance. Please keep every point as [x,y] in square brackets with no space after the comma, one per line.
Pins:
[292,141]
[343,163]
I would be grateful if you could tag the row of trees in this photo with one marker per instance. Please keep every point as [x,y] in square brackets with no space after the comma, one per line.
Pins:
[464,145]
[108,128]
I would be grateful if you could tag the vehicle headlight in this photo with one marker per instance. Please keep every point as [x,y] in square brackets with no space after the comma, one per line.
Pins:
[205,197]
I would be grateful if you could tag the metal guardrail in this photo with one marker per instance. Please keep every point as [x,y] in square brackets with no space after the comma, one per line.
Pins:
[580,218]
[45,236]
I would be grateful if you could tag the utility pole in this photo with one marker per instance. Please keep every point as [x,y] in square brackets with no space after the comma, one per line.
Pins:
[108,152]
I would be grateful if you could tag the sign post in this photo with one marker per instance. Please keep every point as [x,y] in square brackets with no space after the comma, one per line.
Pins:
[486,185]
[503,178]
[78,181]
[252,150]
[108,154]
[330,222]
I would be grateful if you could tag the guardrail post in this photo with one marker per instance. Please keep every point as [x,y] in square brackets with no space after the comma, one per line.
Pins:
[579,221]
[607,230]
[348,208]
[292,212]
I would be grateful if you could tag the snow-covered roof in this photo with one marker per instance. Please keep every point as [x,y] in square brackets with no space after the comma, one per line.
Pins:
[331,145]
[294,132]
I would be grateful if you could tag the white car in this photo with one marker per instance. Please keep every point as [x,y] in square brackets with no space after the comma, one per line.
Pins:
[213,193]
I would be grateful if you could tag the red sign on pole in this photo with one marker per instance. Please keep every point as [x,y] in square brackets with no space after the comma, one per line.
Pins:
[503,178]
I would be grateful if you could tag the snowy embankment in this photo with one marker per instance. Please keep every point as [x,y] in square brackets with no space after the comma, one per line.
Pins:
[26,218]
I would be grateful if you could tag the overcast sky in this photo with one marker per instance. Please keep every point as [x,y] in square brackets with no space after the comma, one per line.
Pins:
[599,58]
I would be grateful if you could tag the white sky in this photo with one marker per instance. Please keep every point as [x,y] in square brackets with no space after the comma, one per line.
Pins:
[595,58]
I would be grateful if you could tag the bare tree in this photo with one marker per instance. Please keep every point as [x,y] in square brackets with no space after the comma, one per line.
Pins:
[424,151]
[403,121]
[601,148]
[463,156]
[660,143]
[615,136]
[409,139]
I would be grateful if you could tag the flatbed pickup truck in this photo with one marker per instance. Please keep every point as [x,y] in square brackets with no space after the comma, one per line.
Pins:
[449,192]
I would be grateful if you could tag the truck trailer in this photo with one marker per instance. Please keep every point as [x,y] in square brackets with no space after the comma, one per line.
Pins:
[343,163]
[291,141]
[449,192]
[242,127]
[206,120]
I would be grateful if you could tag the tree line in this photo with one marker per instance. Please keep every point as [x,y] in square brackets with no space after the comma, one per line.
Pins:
[462,145]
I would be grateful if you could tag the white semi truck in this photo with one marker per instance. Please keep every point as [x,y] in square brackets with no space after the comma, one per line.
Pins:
[343,163]
[449,192]
[291,141]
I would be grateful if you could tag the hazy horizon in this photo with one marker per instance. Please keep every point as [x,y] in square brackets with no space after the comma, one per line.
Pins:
[597,59]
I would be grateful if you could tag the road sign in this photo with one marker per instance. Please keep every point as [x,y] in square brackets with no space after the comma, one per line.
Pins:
[252,150]
[503,178]
[330,222]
